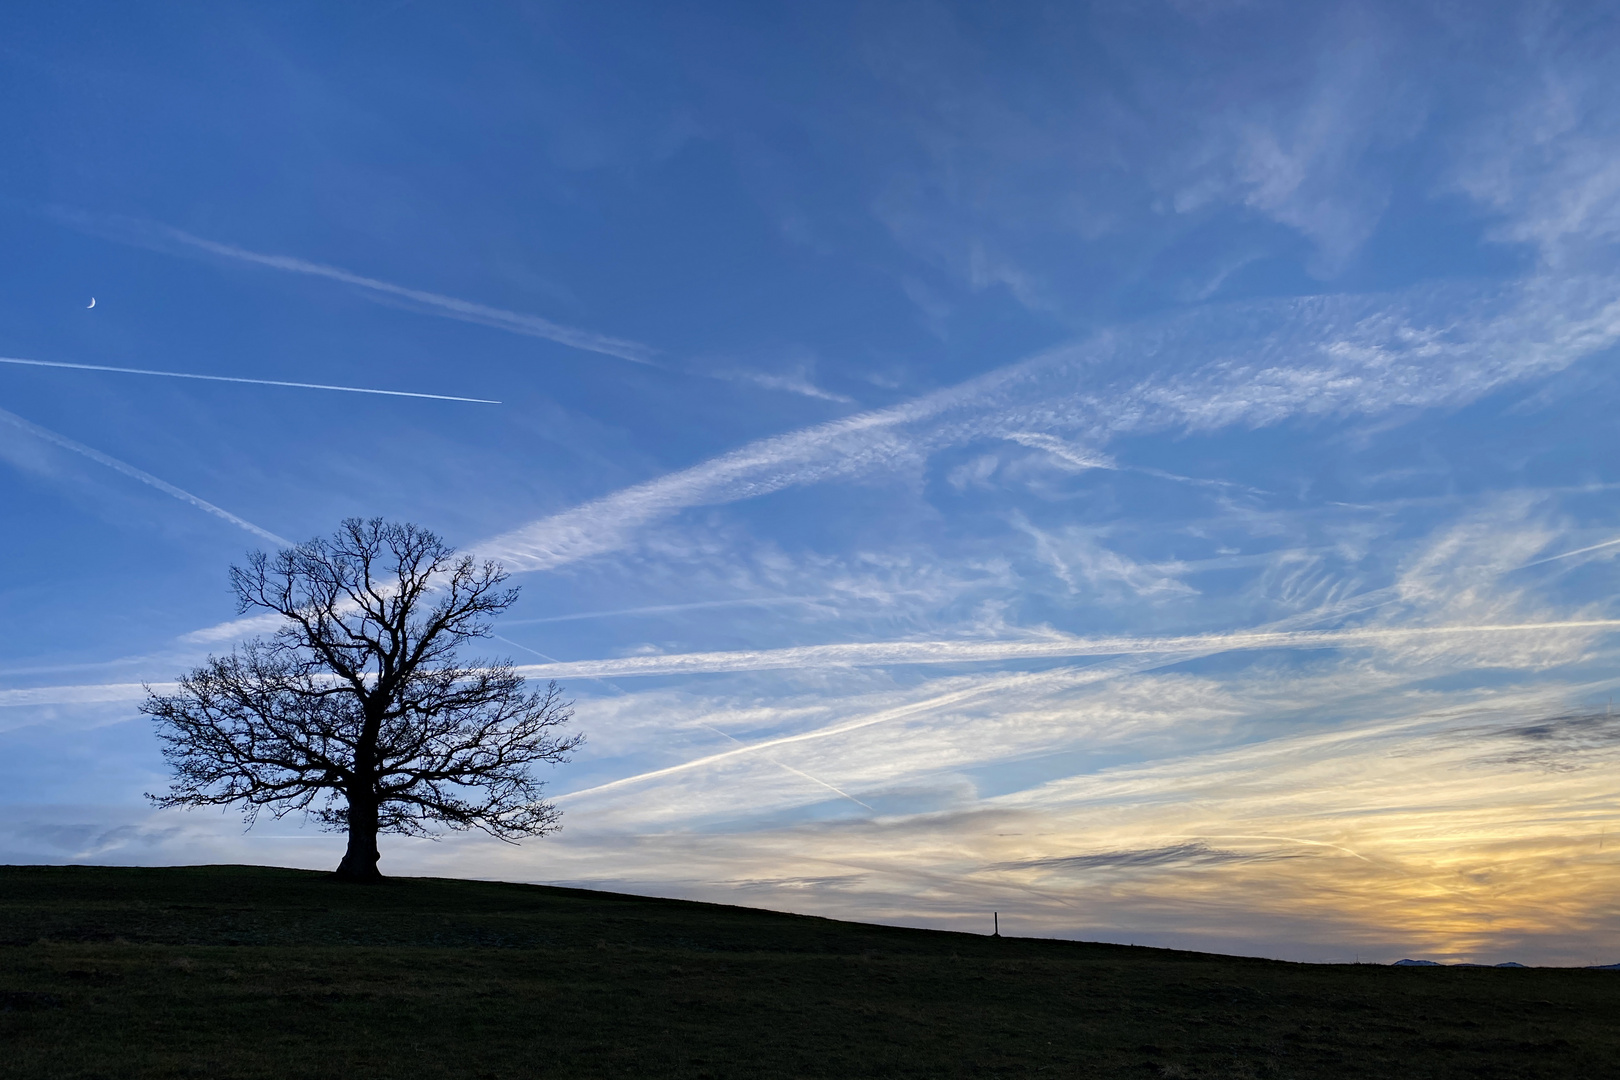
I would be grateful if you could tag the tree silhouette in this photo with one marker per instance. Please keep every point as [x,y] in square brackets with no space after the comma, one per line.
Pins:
[358,710]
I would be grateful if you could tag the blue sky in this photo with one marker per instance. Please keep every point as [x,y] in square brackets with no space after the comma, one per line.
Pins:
[1146,469]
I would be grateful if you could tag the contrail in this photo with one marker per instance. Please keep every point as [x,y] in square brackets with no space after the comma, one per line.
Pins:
[144,477]
[236,379]
[876,653]
[1568,554]
[791,769]
[145,232]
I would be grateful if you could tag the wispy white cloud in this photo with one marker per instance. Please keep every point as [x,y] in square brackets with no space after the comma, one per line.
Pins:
[1075,457]
[1076,553]
[1322,358]
[233,630]
[1544,162]
[973,721]
[1072,457]
[137,474]
[1303,159]
[794,381]
[668,609]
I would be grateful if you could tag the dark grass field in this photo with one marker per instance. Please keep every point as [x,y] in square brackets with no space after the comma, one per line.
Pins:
[231,971]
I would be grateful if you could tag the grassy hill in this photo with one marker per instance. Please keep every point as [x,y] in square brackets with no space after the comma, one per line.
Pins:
[234,971]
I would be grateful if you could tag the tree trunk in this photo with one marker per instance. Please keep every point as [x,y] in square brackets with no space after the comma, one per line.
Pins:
[360,861]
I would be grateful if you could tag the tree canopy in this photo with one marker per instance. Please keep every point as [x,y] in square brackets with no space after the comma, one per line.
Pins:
[359,710]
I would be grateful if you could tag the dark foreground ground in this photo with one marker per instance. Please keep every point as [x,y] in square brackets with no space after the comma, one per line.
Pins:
[231,971]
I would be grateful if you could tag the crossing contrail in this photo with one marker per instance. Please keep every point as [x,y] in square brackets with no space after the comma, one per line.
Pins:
[238,379]
[138,474]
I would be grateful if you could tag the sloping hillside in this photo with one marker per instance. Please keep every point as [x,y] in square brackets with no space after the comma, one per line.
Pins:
[232,971]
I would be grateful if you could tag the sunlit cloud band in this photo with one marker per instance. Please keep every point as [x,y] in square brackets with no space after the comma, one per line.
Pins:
[868,654]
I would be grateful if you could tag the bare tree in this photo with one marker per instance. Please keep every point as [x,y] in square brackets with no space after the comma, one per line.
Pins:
[359,710]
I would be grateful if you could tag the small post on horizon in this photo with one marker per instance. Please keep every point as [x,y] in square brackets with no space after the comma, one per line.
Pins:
[996,915]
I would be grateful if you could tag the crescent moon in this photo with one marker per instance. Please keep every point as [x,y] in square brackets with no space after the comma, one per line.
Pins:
[92,302]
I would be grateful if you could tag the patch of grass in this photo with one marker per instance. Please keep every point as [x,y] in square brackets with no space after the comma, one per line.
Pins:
[232,971]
